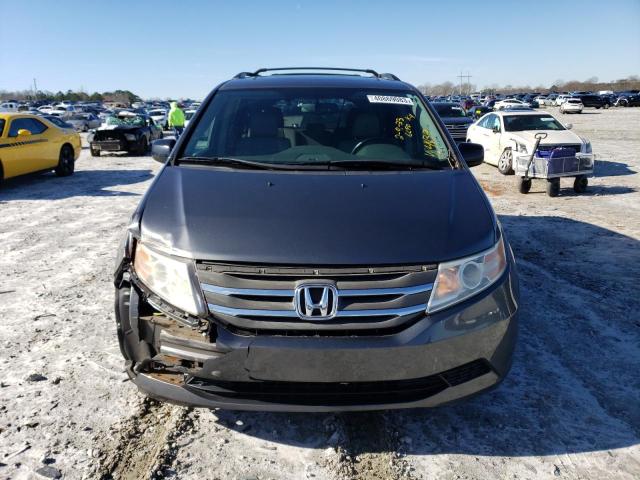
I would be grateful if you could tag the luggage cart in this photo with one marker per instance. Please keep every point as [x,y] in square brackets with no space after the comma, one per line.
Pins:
[553,165]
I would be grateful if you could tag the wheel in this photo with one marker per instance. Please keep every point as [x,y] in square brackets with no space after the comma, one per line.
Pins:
[553,187]
[94,152]
[506,161]
[66,162]
[580,184]
[605,106]
[144,146]
[524,185]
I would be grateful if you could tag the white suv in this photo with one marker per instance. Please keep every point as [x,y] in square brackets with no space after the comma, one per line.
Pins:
[572,105]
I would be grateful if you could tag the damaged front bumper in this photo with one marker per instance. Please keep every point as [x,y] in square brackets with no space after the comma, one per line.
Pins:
[439,358]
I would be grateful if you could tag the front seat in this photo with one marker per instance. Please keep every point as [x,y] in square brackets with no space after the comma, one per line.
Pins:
[365,125]
[264,134]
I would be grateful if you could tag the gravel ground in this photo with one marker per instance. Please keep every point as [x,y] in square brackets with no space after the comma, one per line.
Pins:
[569,409]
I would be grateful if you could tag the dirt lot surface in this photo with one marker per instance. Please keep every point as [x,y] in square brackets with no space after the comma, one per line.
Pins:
[570,408]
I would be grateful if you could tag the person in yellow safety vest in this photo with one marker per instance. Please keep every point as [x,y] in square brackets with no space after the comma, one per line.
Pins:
[176,119]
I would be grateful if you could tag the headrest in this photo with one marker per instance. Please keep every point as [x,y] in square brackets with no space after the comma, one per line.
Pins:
[265,123]
[366,125]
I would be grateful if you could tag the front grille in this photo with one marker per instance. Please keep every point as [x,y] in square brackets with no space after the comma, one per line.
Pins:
[114,145]
[262,299]
[353,393]
[458,131]
[548,148]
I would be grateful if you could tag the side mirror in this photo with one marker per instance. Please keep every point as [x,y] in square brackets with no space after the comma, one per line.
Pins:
[160,149]
[472,153]
[496,129]
[569,126]
[23,132]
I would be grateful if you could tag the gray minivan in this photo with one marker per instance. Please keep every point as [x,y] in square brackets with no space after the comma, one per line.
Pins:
[315,241]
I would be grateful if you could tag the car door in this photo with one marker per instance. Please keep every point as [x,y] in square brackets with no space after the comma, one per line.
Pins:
[483,135]
[492,149]
[24,147]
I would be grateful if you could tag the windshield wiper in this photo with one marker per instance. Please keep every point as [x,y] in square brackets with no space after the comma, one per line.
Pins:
[380,164]
[235,162]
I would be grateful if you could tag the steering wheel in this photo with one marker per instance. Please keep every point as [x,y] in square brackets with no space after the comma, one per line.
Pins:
[369,141]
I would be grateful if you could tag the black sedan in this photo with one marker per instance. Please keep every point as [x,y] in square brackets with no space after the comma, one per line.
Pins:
[125,132]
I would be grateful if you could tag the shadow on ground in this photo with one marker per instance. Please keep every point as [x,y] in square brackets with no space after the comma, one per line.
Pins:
[83,183]
[609,168]
[573,386]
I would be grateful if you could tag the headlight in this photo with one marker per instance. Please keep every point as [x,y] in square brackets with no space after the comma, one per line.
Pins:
[461,279]
[168,277]
[586,147]
[521,147]
[130,136]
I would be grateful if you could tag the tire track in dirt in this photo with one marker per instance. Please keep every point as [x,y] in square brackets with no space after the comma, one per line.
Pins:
[369,449]
[144,444]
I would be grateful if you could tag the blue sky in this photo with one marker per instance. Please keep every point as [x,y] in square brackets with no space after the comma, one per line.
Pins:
[184,48]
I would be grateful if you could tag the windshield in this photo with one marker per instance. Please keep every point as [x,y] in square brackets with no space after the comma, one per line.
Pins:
[518,123]
[2,122]
[126,120]
[318,125]
[448,111]
[56,121]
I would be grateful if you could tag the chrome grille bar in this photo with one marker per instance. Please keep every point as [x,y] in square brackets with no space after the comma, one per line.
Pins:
[250,292]
[245,312]
[253,292]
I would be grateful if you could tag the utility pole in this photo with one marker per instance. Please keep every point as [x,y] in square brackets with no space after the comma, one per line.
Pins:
[467,76]
[35,89]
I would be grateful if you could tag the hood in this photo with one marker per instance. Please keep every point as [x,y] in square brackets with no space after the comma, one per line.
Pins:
[318,218]
[457,120]
[124,128]
[553,137]
[173,105]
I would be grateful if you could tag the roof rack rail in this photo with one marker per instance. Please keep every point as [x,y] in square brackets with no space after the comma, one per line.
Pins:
[386,76]
[389,76]
[244,75]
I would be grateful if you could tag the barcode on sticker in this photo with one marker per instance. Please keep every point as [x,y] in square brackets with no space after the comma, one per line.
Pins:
[389,99]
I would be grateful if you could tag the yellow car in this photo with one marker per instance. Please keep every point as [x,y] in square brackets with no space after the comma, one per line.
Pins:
[29,143]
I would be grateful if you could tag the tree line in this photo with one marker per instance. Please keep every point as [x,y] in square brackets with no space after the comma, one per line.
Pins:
[591,84]
[120,96]
[446,88]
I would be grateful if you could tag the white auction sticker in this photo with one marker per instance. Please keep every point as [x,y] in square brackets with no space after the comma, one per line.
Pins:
[389,99]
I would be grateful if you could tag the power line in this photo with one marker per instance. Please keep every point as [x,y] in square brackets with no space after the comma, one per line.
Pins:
[467,76]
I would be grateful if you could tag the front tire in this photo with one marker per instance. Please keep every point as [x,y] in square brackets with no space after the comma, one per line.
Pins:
[525,185]
[144,146]
[66,162]
[553,187]
[505,163]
